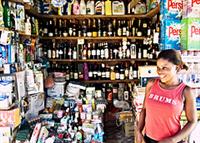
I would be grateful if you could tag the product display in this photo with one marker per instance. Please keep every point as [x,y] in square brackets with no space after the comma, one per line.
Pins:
[76,71]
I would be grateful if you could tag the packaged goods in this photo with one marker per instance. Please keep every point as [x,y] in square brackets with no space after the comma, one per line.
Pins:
[190,33]
[191,8]
[170,34]
[171,9]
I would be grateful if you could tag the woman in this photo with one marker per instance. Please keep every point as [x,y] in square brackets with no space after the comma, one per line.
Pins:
[165,99]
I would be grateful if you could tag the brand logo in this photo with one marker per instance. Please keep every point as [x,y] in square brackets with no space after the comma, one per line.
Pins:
[173,32]
[195,1]
[175,5]
[195,31]
[162,99]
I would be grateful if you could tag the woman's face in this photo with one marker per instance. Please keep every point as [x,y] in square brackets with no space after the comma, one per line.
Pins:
[166,70]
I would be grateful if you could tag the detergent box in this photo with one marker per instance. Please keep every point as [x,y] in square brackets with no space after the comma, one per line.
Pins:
[170,34]
[190,33]
[191,9]
[171,9]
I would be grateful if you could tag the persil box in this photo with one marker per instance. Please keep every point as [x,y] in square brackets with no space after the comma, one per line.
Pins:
[171,9]
[190,33]
[170,34]
[191,9]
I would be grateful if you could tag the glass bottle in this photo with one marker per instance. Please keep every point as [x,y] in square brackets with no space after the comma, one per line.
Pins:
[82,7]
[1,15]
[6,15]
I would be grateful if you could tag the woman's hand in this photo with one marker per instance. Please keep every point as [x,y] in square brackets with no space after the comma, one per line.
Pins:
[139,137]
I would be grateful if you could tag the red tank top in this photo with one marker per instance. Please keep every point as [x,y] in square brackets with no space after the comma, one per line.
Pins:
[163,111]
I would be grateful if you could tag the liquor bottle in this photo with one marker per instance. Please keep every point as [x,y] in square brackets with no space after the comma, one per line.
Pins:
[108,7]
[45,28]
[12,14]
[103,71]
[112,73]
[90,7]
[126,72]
[94,52]
[124,28]
[110,29]
[84,28]
[67,76]
[94,28]
[106,51]
[135,71]
[74,29]
[59,28]
[99,28]
[53,51]
[114,27]
[89,30]
[102,51]
[1,15]
[119,30]
[144,27]
[64,51]
[139,28]
[65,28]
[70,52]
[99,72]
[28,26]
[89,51]
[76,72]
[70,29]
[121,73]
[50,28]
[107,68]
[84,52]
[82,7]
[6,15]
[126,93]
[61,52]
[109,93]
[117,74]
[130,74]
[74,53]
[76,7]
[98,51]
[90,73]
[33,26]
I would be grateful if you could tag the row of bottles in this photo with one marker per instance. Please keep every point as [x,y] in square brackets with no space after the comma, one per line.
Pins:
[98,7]
[96,28]
[97,72]
[104,50]
[12,15]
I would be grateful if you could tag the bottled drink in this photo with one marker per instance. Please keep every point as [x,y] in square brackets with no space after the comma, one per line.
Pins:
[76,7]
[6,15]
[108,7]
[1,15]
[50,28]
[94,29]
[82,7]
[12,14]
[28,26]
[90,7]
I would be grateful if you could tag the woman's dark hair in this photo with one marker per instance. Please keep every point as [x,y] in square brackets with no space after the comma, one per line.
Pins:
[172,56]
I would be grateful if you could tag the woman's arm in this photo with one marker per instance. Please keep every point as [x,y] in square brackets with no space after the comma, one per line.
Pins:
[190,111]
[141,122]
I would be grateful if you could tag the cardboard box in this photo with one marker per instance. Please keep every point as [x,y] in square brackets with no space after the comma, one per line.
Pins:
[191,9]
[170,34]
[190,33]
[10,118]
[171,9]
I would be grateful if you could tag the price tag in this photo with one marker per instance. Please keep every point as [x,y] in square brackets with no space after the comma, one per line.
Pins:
[80,41]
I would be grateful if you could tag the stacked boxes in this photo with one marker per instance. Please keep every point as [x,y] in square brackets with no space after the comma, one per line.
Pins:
[190,31]
[171,11]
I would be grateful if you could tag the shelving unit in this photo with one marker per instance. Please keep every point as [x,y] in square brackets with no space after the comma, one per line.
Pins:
[150,14]
[94,38]
[101,60]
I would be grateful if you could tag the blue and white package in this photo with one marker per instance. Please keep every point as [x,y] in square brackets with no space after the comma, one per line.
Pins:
[171,9]
[170,34]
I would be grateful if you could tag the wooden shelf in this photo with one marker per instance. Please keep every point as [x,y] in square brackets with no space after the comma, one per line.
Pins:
[17,1]
[101,60]
[93,38]
[150,14]
[112,81]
